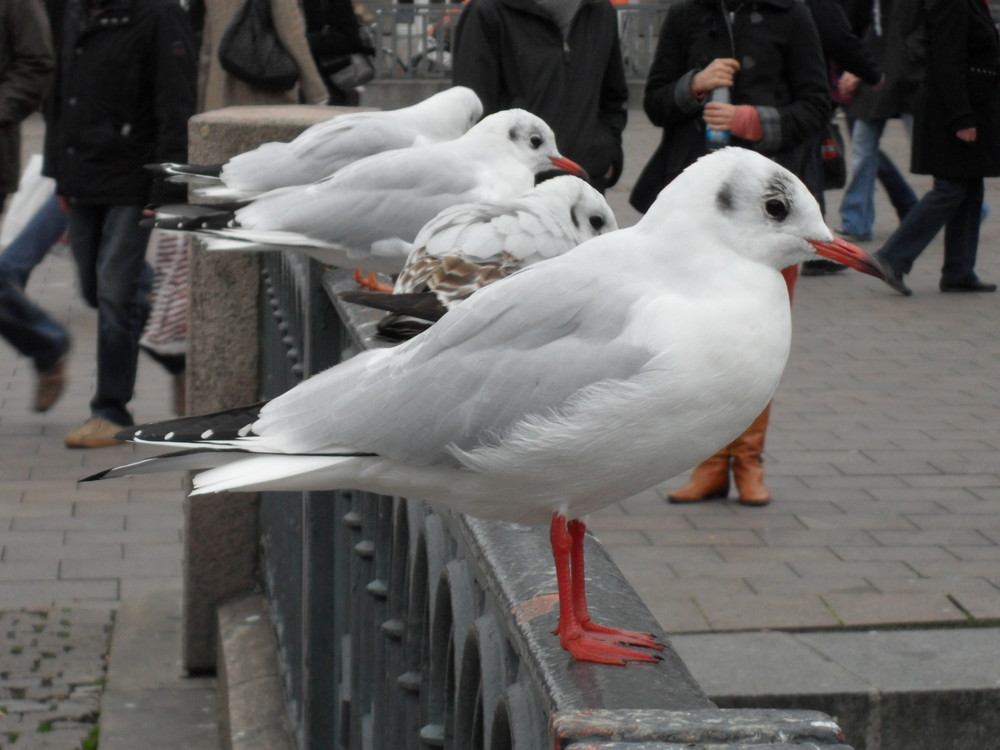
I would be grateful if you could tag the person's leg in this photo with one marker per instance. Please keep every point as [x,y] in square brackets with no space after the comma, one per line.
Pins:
[33,242]
[857,207]
[31,331]
[922,224]
[121,311]
[110,248]
[900,193]
[961,243]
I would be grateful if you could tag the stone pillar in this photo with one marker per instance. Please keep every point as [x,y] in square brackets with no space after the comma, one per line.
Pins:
[220,539]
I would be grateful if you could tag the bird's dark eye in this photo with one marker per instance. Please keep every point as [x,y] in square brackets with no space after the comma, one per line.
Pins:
[536,141]
[597,222]
[776,208]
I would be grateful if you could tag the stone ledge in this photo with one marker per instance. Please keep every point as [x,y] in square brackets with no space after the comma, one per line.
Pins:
[251,695]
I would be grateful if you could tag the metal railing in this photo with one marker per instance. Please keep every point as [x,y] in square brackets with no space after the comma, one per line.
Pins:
[414,41]
[400,626]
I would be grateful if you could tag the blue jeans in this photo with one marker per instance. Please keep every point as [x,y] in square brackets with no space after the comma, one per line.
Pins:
[29,329]
[868,162]
[33,243]
[955,205]
[110,251]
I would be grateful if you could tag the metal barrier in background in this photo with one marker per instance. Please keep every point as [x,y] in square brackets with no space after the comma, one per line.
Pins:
[414,41]
[403,627]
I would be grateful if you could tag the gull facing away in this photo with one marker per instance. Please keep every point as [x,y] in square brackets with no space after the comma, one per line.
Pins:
[322,149]
[369,212]
[573,384]
[466,247]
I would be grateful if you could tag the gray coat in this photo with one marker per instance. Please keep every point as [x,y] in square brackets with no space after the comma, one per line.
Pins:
[26,68]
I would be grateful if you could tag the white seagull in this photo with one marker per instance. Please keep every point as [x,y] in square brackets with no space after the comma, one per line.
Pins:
[326,147]
[571,385]
[368,213]
[468,246]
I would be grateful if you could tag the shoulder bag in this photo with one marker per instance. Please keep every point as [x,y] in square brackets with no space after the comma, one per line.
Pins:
[251,51]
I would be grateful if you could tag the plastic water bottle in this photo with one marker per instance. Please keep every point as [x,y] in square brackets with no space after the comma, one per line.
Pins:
[716,139]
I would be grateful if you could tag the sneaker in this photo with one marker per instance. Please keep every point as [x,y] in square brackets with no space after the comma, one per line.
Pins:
[49,384]
[96,432]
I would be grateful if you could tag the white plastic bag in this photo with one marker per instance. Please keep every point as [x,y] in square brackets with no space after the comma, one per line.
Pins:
[32,191]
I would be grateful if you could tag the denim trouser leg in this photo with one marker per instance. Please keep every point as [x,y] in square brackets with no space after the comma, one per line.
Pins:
[857,207]
[110,248]
[961,235]
[33,242]
[29,329]
[900,193]
[924,221]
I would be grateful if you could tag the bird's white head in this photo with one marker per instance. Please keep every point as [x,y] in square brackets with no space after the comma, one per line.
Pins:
[582,210]
[449,113]
[528,137]
[762,210]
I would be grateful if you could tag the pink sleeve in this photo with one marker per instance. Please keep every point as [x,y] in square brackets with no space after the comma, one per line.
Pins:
[746,123]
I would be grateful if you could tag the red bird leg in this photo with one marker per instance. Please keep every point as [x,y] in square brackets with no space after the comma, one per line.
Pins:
[582,645]
[577,532]
[370,282]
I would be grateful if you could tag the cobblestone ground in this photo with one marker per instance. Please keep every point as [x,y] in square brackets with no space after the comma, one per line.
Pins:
[52,666]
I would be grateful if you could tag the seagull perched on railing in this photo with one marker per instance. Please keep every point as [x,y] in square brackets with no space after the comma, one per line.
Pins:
[573,384]
[468,246]
[328,146]
[367,214]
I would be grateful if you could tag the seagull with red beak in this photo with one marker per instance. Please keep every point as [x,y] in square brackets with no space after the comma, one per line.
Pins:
[570,385]
[367,214]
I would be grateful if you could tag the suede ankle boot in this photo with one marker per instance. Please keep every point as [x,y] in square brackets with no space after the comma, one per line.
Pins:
[709,481]
[748,469]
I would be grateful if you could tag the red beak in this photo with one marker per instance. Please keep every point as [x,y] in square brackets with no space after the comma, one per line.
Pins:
[568,165]
[850,255]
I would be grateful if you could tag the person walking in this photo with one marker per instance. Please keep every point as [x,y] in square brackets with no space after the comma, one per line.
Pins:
[124,93]
[891,35]
[27,64]
[956,140]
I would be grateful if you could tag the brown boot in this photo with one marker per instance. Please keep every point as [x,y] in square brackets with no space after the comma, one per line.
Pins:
[748,470]
[709,481]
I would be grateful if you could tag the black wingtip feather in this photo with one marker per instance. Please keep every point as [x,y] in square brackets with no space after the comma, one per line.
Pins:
[423,305]
[222,425]
[192,216]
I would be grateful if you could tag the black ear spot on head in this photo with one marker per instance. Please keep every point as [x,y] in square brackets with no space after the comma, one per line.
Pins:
[512,134]
[724,198]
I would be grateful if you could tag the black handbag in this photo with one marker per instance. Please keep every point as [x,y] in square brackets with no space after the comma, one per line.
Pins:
[251,51]
[343,60]
[834,161]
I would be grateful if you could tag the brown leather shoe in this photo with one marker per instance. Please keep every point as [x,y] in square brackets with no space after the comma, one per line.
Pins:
[49,384]
[709,481]
[96,432]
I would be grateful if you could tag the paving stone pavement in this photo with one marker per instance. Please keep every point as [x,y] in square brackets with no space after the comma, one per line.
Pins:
[883,458]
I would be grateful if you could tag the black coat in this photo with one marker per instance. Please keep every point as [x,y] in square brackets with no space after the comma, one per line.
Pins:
[782,74]
[512,54]
[126,87]
[900,49]
[961,89]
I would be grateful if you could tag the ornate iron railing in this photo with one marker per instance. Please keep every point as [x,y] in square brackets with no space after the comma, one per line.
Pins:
[414,41]
[401,626]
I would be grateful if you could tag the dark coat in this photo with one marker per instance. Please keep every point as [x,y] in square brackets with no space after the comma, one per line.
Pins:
[26,67]
[124,93]
[900,49]
[782,74]
[512,54]
[961,89]
[840,44]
